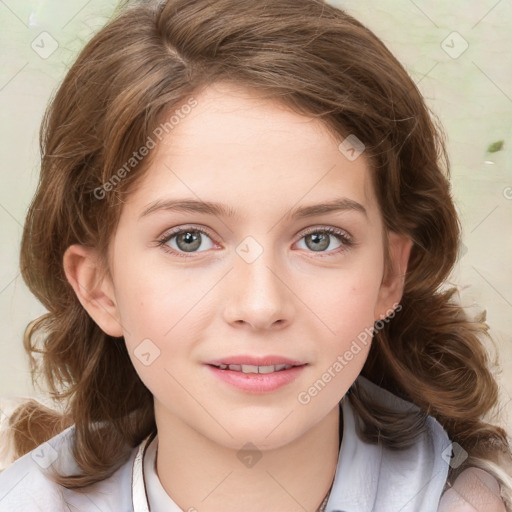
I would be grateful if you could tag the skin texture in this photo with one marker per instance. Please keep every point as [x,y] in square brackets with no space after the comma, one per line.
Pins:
[266,294]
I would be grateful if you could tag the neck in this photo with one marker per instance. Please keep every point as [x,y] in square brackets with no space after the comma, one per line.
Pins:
[199,474]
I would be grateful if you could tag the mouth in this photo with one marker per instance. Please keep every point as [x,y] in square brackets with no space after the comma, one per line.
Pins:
[255,364]
[256,374]
[249,368]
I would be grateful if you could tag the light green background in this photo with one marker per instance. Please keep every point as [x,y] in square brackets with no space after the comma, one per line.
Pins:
[471,93]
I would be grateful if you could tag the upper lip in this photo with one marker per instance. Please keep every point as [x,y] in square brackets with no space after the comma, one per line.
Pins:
[270,360]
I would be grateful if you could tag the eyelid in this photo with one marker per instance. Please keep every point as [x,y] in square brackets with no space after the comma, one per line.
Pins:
[190,227]
[329,229]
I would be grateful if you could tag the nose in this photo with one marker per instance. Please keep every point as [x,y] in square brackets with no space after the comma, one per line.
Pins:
[259,294]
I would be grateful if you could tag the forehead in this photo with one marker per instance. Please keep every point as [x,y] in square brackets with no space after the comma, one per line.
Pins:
[235,145]
[230,114]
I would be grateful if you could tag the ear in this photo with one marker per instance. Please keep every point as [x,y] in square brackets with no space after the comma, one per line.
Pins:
[93,288]
[392,285]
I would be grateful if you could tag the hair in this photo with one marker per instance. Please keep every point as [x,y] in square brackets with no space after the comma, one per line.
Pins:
[317,60]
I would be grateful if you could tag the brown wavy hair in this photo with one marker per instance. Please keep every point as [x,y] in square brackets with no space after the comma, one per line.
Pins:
[319,61]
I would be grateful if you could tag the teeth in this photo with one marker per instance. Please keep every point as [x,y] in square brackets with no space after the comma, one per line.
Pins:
[267,369]
[249,368]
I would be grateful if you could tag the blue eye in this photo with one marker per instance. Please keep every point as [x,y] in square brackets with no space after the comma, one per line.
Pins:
[186,241]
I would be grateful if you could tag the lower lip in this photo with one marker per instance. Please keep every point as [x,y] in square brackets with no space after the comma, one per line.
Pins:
[258,382]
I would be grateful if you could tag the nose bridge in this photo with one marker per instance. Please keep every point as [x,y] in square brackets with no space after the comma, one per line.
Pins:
[259,295]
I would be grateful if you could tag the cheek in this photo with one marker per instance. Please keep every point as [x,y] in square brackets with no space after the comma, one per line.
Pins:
[163,313]
[348,298]
[152,298]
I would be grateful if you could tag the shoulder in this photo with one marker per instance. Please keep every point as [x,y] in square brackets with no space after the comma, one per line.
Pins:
[414,477]
[27,483]
[420,472]
[473,490]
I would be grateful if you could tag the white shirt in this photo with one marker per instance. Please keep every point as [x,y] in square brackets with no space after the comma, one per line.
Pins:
[369,478]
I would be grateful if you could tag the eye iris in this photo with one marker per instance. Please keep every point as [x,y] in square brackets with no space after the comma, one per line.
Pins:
[192,241]
[321,241]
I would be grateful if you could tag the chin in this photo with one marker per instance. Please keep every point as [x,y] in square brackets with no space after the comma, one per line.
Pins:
[265,432]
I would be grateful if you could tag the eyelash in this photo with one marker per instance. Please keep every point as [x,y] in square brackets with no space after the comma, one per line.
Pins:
[340,234]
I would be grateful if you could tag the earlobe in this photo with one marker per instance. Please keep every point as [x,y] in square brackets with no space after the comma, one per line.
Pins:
[93,289]
[392,286]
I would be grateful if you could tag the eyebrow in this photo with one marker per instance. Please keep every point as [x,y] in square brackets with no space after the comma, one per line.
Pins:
[221,210]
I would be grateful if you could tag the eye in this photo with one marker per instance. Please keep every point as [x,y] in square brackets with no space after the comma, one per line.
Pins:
[320,239]
[185,240]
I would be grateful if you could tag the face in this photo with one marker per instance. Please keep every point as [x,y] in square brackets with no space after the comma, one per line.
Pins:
[269,277]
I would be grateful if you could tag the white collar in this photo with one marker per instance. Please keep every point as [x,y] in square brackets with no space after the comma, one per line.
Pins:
[139,494]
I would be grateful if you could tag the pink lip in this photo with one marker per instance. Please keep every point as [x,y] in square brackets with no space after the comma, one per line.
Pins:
[257,382]
[256,361]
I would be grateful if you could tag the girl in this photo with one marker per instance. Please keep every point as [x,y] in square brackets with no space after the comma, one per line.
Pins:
[241,234]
